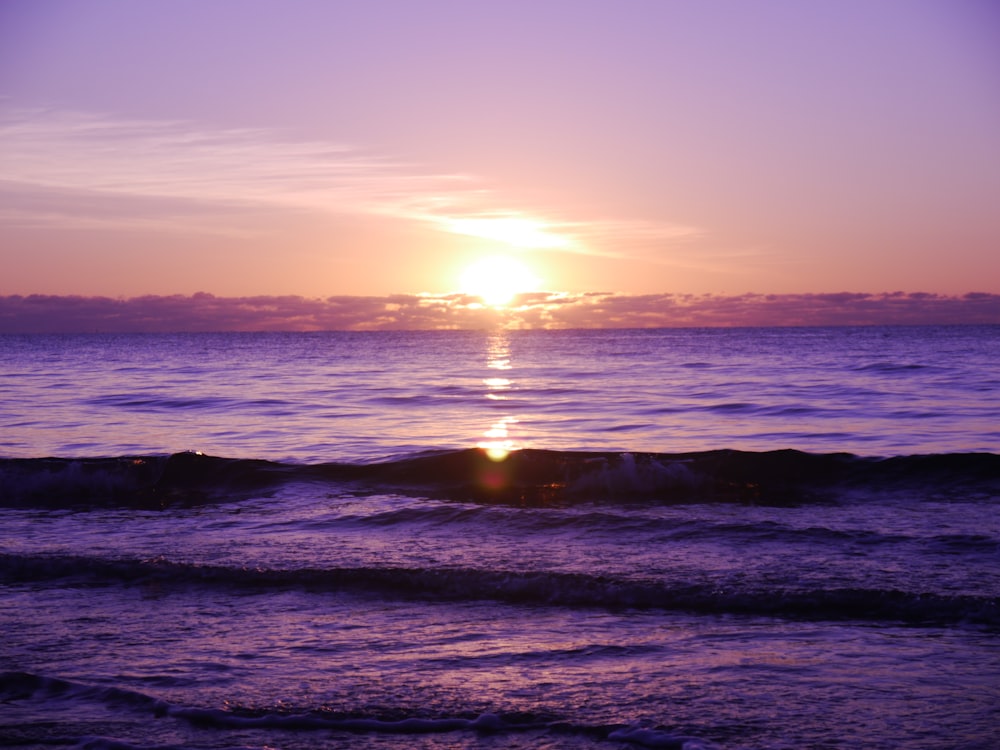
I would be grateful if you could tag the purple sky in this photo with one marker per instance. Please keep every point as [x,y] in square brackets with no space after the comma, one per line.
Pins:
[663,149]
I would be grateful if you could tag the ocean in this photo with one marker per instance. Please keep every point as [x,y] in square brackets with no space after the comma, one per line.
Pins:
[672,538]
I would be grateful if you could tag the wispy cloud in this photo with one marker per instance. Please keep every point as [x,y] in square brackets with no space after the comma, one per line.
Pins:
[515,231]
[206,312]
[34,207]
[175,159]
[53,153]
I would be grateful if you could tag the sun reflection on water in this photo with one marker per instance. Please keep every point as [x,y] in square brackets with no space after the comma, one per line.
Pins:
[498,441]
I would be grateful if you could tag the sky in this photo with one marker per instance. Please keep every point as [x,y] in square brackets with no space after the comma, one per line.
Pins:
[650,154]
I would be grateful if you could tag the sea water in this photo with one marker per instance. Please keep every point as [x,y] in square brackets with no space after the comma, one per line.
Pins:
[741,538]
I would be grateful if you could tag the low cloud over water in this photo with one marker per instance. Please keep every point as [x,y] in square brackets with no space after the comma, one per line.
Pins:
[207,312]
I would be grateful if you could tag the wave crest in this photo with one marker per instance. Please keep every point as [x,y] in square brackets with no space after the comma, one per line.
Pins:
[536,588]
[524,477]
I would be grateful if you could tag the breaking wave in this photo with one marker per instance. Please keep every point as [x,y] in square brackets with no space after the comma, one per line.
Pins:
[524,477]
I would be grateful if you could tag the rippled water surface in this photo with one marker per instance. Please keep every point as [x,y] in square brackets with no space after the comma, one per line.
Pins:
[715,539]
[327,396]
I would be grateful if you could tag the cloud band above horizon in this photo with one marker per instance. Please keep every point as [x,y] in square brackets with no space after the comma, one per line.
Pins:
[43,314]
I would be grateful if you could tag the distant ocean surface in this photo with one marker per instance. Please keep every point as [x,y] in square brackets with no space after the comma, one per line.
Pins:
[701,538]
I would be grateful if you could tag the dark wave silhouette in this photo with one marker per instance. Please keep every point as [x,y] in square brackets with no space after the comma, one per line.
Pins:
[525,477]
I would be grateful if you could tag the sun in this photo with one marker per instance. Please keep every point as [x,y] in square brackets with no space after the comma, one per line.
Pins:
[497,280]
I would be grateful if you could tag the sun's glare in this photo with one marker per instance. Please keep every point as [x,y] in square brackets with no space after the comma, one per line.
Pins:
[498,280]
